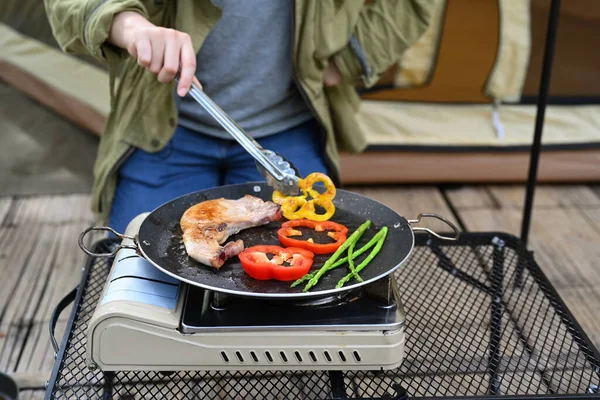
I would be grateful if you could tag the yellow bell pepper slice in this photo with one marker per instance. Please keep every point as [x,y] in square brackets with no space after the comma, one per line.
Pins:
[298,207]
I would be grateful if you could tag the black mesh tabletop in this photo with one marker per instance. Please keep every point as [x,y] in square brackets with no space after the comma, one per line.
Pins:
[482,321]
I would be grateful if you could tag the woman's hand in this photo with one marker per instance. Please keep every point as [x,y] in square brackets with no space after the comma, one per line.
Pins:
[160,50]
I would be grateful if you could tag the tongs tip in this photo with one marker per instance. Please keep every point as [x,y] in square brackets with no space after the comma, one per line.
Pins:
[287,181]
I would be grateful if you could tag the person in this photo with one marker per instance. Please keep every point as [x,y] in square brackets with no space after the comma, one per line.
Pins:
[285,71]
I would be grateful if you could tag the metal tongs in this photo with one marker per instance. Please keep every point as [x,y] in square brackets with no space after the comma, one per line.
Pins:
[279,173]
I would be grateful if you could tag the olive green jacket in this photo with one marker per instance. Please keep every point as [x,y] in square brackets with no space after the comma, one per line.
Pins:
[363,40]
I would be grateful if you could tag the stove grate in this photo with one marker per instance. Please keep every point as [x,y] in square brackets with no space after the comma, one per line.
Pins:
[482,320]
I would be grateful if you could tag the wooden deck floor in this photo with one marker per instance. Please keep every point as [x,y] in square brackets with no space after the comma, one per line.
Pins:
[41,261]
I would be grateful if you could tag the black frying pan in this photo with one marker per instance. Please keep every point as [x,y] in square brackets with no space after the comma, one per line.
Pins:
[159,241]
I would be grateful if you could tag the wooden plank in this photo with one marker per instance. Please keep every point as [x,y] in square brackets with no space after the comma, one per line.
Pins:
[584,304]
[31,380]
[565,245]
[547,196]
[65,275]
[470,197]
[38,252]
[596,188]
[34,228]
[13,339]
[67,264]
[36,270]
[31,394]
[25,394]
[5,203]
[27,294]
[38,354]
[53,209]
[592,216]
[15,264]
[410,201]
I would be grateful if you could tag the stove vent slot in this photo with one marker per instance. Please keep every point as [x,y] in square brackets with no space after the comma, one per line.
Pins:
[269,357]
[297,356]
[224,356]
[283,356]
[239,356]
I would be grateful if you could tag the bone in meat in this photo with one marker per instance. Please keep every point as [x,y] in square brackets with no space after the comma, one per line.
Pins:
[207,225]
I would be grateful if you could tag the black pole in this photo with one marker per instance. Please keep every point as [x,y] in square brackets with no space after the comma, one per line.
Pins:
[539,120]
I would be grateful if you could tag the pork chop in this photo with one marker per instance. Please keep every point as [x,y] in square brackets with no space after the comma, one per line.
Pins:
[207,225]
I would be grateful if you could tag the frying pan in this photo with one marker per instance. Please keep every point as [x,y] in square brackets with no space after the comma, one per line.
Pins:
[159,241]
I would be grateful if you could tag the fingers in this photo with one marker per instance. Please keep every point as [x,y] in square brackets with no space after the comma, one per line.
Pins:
[188,68]
[143,52]
[164,52]
[158,53]
[171,59]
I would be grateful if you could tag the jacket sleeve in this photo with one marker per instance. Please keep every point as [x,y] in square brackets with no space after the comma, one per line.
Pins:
[385,29]
[83,26]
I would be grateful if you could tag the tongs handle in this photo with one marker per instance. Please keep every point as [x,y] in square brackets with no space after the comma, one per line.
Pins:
[245,140]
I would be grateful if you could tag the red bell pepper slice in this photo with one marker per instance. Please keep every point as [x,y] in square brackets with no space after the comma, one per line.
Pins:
[287,264]
[337,232]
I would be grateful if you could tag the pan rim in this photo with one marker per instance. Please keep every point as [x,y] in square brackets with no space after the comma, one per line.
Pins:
[285,295]
[297,295]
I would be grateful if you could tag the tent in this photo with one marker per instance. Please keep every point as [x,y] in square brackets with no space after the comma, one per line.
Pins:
[458,107]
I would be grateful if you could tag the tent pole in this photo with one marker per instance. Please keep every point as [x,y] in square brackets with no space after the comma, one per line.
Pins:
[539,120]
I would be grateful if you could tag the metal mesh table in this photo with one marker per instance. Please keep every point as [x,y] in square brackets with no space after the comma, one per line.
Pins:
[482,321]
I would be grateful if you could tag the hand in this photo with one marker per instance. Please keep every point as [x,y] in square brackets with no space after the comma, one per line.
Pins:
[332,75]
[160,50]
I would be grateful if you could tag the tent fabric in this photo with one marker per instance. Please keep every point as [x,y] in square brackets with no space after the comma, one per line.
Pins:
[446,125]
[507,77]
[506,80]
[576,61]
[416,65]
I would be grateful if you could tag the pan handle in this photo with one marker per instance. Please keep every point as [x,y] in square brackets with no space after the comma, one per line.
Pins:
[114,252]
[429,215]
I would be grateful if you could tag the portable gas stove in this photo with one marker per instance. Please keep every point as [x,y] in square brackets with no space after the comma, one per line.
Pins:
[147,320]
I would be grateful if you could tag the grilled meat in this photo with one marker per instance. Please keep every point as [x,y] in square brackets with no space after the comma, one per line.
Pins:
[207,225]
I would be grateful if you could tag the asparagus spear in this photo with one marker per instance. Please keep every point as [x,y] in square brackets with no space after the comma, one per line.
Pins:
[351,263]
[339,262]
[381,235]
[353,238]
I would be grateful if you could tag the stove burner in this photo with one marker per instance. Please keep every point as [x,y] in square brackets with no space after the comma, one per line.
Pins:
[220,301]
[375,306]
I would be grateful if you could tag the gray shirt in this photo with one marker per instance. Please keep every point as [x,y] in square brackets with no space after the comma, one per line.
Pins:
[245,66]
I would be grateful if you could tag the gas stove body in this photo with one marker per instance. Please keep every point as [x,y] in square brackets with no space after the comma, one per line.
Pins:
[147,320]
